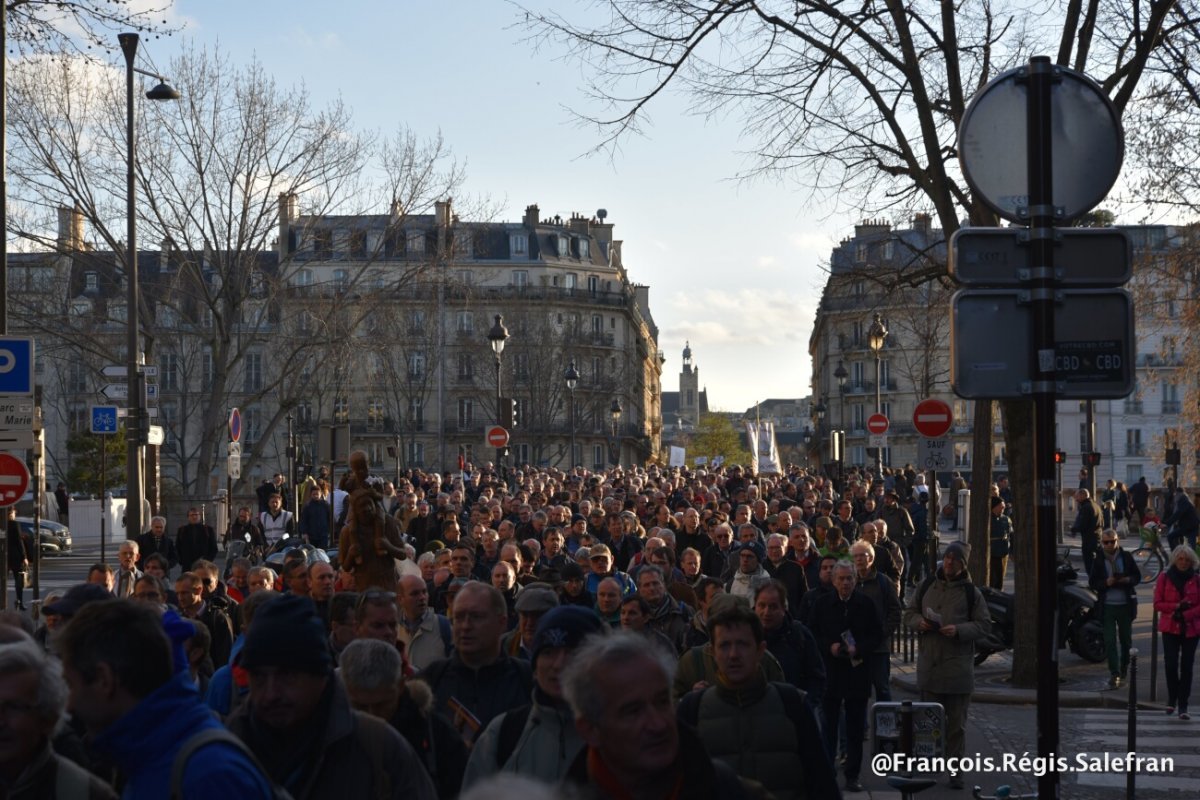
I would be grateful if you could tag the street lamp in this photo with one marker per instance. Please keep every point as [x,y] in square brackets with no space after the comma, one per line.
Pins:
[614,448]
[138,422]
[497,336]
[876,337]
[572,378]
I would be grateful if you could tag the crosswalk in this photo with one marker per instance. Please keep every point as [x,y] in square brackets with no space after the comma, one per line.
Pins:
[1097,732]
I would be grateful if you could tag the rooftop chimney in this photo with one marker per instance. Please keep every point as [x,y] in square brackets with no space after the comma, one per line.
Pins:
[287,216]
[70,229]
[531,216]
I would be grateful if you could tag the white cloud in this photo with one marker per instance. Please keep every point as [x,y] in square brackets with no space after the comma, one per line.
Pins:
[304,39]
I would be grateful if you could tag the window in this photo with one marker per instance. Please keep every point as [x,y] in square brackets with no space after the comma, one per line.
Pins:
[323,243]
[1083,437]
[206,370]
[376,452]
[253,376]
[303,278]
[596,371]
[1170,398]
[860,252]
[585,248]
[304,415]
[888,250]
[415,243]
[593,284]
[416,454]
[521,454]
[76,379]
[416,320]
[597,324]
[885,374]
[375,414]
[961,415]
[80,418]
[258,284]
[598,456]
[466,413]
[341,409]
[858,413]
[1133,472]
[522,366]
[416,413]
[858,375]
[462,244]
[858,454]
[465,277]
[999,455]
[206,319]
[520,244]
[91,282]
[416,366]
[465,322]
[168,370]
[564,247]
[466,368]
[116,312]
[1133,442]
[860,288]
[520,278]
[304,322]
[252,424]
[962,454]
[856,334]
[341,280]
[357,244]
[570,281]
[690,398]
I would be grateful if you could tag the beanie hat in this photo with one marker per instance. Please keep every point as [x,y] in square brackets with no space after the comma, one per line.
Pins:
[759,551]
[960,550]
[997,501]
[287,632]
[571,570]
[564,626]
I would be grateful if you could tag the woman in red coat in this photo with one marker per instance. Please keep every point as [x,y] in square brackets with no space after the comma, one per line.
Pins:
[1177,601]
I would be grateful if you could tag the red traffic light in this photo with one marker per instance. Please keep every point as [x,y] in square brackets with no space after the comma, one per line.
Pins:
[1060,457]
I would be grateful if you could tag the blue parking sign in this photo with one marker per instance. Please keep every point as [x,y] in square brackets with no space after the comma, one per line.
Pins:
[16,366]
[104,419]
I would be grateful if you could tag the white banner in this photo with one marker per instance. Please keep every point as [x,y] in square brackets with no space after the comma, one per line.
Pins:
[678,456]
[763,445]
[701,461]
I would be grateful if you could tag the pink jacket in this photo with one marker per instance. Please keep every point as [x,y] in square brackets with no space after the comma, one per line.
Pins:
[1167,598]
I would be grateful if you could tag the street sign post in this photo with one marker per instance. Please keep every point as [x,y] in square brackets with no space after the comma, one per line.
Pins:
[877,423]
[120,391]
[235,425]
[233,465]
[16,366]
[933,454]
[999,257]
[932,418]
[104,419]
[878,440]
[14,479]
[120,371]
[1092,353]
[497,436]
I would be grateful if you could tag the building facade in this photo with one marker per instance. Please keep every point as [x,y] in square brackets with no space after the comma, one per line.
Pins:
[373,329]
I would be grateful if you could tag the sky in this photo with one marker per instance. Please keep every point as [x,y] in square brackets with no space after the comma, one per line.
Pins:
[735,268]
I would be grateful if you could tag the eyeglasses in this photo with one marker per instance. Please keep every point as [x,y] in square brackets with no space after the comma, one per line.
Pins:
[1108,541]
[374,596]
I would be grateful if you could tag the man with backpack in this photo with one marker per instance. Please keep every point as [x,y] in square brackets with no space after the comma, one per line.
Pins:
[764,730]
[143,710]
[950,615]
[538,740]
[299,722]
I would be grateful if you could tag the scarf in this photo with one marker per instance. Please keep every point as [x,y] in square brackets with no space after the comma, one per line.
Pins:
[1180,578]
[611,787]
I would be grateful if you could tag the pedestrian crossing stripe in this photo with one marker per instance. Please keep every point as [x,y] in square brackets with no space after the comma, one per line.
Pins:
[1157,735]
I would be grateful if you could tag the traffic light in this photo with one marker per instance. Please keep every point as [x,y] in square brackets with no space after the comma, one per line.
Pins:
[516,413]
[507,415]
[1060,457]
[1091,459]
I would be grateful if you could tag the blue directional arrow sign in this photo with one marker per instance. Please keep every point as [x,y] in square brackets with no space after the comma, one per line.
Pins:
[104,419]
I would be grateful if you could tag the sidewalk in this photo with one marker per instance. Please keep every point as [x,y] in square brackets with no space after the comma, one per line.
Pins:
[1082,684]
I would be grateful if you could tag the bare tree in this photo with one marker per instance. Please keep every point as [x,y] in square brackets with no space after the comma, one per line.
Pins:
[860,103]
[82,27]
[232,313]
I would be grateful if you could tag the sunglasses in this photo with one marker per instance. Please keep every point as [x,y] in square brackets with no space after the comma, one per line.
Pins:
[374,596]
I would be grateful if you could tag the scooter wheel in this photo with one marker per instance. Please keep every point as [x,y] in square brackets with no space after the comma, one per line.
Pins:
[1089,642]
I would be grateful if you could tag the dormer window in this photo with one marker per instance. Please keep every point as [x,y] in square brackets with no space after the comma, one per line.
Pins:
[584,248]
[564,246]
[91,282]
[520,244]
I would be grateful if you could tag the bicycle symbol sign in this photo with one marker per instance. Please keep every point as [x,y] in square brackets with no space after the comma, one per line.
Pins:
[104,419]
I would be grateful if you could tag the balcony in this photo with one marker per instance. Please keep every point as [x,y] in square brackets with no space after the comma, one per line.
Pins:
[1135,449]
[1170,406]
[1133,406]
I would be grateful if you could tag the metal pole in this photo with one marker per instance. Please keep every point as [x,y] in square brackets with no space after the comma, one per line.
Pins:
[291,457]
[878,410]
[571,460]
[1154,657]
[1039,80]
[1131,728]
[103,500]
[133,421]
[38,472]
[1090,425]
[500,466]
[397,462]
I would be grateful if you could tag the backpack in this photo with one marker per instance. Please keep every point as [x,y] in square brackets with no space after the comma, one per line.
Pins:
[968,587]
[510,733]
[212,736]
[793,700]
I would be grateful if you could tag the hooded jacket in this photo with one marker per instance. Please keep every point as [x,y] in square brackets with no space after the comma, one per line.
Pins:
[946,665]
[144,742]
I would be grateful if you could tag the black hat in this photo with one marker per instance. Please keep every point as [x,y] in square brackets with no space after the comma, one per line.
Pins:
[571,570]
[76,598]
[564,626]
[287,633]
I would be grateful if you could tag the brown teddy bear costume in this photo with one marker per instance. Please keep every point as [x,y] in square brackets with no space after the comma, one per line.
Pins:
[370,540]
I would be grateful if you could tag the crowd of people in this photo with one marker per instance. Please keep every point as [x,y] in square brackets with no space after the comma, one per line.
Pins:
[640,632]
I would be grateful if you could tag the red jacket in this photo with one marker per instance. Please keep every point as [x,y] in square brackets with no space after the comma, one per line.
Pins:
[1167,598]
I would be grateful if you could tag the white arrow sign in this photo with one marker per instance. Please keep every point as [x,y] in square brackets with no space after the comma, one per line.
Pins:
[120,371]
[115,391]
[150,412]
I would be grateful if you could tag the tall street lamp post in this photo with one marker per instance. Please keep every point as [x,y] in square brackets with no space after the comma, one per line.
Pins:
[614,447]
[138,421]
[819,411]
[572,378]
[841,375]
[876,337]
[497,336]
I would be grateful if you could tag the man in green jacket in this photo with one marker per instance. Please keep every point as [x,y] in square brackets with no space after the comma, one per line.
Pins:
[950,615]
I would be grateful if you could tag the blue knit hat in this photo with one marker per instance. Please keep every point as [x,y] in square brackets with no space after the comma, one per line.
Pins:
[564,626]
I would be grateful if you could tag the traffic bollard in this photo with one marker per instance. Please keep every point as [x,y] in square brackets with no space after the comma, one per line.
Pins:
[1131,732]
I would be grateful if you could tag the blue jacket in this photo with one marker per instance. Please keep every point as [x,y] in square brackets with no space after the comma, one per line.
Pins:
[143,744]
[220,686]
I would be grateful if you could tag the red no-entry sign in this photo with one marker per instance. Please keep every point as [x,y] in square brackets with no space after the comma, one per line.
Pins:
[877,423]
[497,436]
[14,479]
[932,418]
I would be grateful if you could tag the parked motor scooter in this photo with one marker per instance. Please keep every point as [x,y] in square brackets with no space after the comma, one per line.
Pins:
[1079,627]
